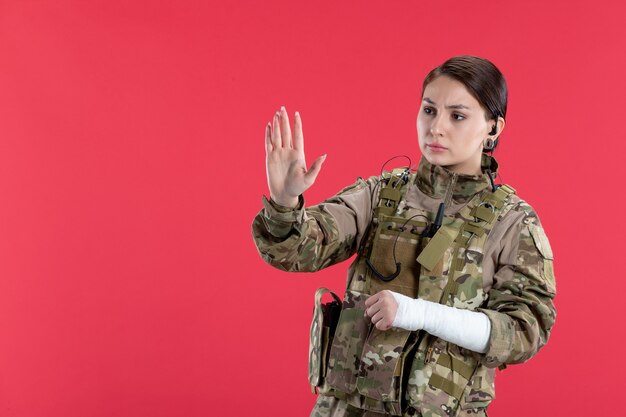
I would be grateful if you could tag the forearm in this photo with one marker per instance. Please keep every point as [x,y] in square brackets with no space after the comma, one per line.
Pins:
[465,328]
[520,303]
[299,240]
[312,238]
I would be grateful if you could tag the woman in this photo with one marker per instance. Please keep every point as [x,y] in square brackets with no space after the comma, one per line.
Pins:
[453,275]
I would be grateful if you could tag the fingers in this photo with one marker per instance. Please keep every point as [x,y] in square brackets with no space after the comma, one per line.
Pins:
[379,310]
[373,304]
[298,138]
[276,138]
[381,321]
[281,131]
[372,300]
[268,139]
[383,325]
[285,129]
[315,169]
[373,310]
[380,318]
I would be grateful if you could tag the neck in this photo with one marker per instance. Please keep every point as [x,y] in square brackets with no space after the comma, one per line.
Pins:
[470,167]
[437,181]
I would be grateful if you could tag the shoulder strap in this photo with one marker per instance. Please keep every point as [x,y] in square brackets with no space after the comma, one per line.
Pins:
[485,211]
[486,214]
[394,190]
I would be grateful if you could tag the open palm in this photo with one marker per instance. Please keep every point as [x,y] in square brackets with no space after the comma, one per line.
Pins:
[287,175]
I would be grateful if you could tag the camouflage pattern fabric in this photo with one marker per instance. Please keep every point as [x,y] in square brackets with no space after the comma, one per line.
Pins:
[505,271]
[328,406]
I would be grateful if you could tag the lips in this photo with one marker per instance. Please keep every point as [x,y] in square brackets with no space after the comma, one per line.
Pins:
[436,147]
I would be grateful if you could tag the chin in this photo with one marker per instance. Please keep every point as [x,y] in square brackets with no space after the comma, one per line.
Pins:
[440,160]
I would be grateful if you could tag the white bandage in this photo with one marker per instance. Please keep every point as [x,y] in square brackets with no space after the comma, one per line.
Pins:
[465,328]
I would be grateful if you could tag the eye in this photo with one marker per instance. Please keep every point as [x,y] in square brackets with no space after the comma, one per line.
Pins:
[428,110]
[460,116]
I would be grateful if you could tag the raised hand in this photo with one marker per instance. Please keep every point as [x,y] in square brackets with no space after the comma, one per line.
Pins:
[287,176]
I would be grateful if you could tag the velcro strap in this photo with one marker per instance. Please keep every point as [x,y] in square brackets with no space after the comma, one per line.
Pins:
[446,386]
[483,213]
[370,402]
[459,366]
[398,370]
[462,240]
[389,193]
[387,211]
[493,201]
[501,194]
[474,228]
[340,394]
[507,189]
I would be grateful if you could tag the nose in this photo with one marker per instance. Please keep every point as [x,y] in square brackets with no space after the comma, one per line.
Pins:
[436,126]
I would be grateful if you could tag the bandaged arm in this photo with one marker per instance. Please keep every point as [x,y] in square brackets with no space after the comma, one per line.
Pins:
[465,328]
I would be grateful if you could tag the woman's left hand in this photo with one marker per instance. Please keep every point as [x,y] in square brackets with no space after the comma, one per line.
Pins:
[382,308]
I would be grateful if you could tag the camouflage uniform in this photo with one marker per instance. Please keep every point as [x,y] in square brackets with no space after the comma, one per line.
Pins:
[503,268]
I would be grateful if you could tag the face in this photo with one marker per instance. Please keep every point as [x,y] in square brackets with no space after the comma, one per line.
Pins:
[451,126]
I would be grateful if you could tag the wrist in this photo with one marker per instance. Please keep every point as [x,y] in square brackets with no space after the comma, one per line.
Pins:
[465,328]
[410,314]
[287,203]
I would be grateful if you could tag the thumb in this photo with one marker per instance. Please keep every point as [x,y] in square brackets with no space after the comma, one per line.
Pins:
[315,169]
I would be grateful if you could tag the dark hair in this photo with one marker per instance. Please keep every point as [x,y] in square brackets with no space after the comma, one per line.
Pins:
[481,78]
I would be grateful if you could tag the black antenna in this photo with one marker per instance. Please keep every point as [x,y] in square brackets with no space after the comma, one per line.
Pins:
[430,232]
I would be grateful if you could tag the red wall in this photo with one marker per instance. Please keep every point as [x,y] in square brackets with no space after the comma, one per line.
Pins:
[132,164]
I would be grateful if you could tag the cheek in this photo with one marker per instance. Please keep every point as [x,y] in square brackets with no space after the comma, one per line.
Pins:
[420,140]
[477,139]
[421,129]
[471,147]
[473,137]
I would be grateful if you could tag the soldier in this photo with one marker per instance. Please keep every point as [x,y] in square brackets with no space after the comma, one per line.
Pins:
[453,275]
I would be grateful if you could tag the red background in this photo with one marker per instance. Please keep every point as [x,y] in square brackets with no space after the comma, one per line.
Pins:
[132,165]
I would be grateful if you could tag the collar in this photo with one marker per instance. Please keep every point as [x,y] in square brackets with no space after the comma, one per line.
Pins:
[437,181]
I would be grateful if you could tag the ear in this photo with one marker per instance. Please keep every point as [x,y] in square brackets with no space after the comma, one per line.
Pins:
[499,125]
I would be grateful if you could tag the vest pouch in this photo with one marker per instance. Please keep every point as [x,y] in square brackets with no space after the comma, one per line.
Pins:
[395,242]
[481,391]
[347,343]
[431,283]
[323,325]
[451,369]
[382,363]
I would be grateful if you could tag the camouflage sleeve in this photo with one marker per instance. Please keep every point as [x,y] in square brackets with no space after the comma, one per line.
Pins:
[309,239]
[520,304]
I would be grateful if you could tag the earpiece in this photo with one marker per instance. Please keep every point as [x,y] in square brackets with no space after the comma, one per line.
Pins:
[494,129]
[490,143]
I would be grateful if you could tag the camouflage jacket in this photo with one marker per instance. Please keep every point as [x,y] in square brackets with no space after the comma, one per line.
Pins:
[516,261]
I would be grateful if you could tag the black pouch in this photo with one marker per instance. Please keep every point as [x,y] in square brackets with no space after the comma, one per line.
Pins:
[323,325]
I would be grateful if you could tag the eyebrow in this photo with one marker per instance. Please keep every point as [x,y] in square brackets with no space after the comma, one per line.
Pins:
[452,106]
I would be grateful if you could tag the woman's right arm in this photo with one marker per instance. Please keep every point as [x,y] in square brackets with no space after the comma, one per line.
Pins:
[287,235]
[307,240]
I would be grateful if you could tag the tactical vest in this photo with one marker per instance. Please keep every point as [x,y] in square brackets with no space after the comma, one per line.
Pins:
[386,371]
